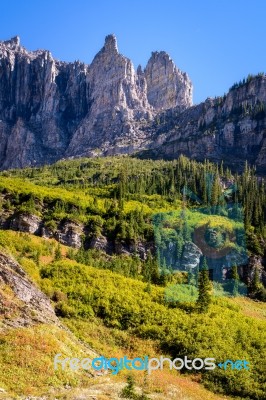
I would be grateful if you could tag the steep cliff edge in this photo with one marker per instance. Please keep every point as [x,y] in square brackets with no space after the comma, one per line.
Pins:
[21,302]
[231,128]
[51,109]
[167,86]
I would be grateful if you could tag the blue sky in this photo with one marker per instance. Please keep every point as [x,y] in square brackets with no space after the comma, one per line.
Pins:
[216,42]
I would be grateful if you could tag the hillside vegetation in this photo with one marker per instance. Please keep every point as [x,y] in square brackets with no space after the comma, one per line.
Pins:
[123,295]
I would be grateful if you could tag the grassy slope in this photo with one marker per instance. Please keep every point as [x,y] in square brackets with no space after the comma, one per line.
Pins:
[28,352]
[26,360]
[232,329]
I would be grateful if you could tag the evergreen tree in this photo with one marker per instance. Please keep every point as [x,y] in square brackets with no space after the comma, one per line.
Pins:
[255,283]
[128,391]
[163,275]
[235,278]
[204,287]
[215,190]
[58,254]
[37,256]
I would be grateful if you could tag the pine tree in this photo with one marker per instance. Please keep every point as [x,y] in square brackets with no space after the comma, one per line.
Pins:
[255,284]
[204,287]
[150,270]
[163,275]
[37,256]
[235,278]
[215,190]
[193,277]
[58,254]
[222,168]
[128,391]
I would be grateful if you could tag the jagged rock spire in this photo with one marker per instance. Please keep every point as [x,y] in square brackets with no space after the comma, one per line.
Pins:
[78,108]
[167,86]
[13,42]
[111,43]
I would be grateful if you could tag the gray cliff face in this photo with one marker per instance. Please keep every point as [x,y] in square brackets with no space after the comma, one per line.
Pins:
[167,86]
[51,109]
[117,102]
[231,129]
[32,306]
[41,103]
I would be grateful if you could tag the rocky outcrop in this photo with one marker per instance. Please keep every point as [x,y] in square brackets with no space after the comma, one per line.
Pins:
[30,305]
[51,109]
[71,234]
[131,247]
[255,263]
[190,257]
[100,242]
[231,129]
[26,223]
[167,86]
[41,102]
[117,102]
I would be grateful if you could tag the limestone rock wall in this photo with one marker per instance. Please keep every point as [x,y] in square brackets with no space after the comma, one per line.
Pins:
[51,109]
[231,129]
[33,306]
[167,86]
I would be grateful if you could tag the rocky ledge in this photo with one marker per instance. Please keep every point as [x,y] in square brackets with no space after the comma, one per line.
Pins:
[21,302]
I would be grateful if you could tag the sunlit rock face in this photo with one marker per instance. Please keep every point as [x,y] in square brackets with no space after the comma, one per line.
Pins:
[167,86]
[51,109]
[231,128]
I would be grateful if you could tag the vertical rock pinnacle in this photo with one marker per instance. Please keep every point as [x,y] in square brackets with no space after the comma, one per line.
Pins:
[111,43]
[13,42]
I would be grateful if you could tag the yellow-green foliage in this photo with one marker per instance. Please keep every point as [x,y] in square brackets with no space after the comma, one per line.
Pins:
[126,304]
[26,359]
[117,197]
[224,333]
[22,244]
[30,251]
[196,218]
[18,185]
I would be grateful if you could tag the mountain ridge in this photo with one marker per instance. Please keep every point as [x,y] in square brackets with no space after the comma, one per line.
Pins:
[51,110]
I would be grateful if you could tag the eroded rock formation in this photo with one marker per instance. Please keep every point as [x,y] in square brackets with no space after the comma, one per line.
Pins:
[51,109]
[26,304]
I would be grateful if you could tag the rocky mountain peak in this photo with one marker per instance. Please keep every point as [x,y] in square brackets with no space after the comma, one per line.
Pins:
[139,70]
[117,100]
[160,55]
[167,86]
[111,43]
[51,110]
[12,43]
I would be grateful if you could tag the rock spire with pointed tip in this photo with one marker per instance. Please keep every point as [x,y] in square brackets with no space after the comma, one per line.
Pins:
[51,109]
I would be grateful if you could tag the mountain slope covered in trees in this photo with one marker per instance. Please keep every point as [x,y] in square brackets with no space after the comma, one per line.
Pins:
[114,250]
